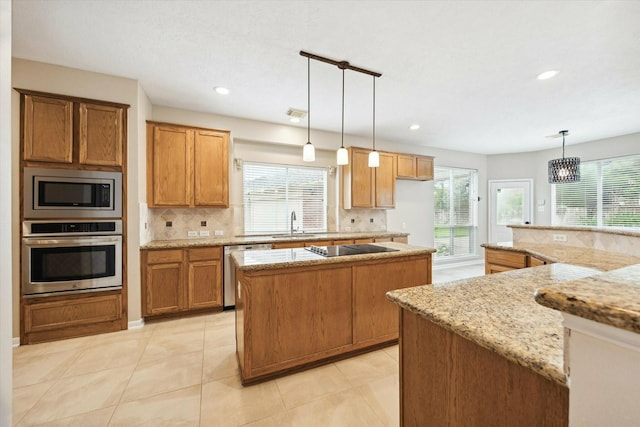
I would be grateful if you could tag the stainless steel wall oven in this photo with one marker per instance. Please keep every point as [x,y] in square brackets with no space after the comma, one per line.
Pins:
[62,257]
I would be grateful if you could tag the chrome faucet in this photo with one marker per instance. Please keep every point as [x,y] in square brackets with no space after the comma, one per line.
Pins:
[293,218]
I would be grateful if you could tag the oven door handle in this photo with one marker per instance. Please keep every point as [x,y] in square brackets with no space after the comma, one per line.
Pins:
[71,241]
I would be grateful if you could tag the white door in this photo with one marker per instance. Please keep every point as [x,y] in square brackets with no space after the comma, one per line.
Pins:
[510,202]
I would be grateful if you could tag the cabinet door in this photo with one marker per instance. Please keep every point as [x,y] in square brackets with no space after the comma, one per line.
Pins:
[385,188]
[169,155]
[406,166]
[362,180]
[164,288]
[205,284]
[211,168]
[424,168]
[100,140]
[48,129]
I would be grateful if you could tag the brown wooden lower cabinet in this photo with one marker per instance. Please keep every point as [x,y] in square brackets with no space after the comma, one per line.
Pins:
[59,317]
[180,280]
[497,260]
[447,380]
[288,318]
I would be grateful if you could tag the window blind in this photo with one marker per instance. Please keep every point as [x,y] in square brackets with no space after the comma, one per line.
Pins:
[272,192]
[608,195]
[455,211]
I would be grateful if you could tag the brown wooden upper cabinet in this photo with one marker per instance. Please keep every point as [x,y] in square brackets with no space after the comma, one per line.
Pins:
[187,166]
[69,130]
[365,187]
[414,167]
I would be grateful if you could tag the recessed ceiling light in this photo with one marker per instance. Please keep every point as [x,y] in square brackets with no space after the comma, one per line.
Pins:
[294,120]
[547,74]
[414,127]
[221,90]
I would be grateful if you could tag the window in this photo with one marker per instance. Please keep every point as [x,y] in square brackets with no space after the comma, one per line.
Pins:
[608,195]
[272,192]
[455,212]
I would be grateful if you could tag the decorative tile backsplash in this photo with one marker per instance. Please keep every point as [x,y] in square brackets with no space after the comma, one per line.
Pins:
[231,221]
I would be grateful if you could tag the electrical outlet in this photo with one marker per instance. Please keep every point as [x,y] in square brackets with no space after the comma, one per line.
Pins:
[168,224]
[192,233]
[347,229]
[219,233]
[371,220]
[353,220]
[559,237]
[203,223]
[204,233]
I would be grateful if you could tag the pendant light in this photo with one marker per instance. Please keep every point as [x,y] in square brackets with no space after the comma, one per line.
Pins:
[566,169]
[308,151]
[374,157]
[342,155]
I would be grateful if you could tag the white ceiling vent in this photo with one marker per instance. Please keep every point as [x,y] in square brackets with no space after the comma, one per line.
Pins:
[300,114]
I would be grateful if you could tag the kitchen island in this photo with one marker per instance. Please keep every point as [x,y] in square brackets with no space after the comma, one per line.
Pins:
[296,308]
[482,352]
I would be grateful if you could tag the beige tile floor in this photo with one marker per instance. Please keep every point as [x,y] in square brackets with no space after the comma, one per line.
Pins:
[183,372]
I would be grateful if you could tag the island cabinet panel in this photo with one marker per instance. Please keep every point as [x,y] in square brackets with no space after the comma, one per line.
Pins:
[375,317]
[296,316]
[447,380]
[291,321]
[48,129]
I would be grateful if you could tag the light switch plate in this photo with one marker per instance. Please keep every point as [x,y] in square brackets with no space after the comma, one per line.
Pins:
[219,233]
[204,233]
[192,233]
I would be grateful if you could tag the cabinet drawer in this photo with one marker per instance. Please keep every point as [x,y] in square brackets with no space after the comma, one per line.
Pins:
[205,254]
[157,257]
[506,258]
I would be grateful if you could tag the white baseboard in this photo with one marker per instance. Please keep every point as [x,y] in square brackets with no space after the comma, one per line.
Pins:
[16,341]
[135,324]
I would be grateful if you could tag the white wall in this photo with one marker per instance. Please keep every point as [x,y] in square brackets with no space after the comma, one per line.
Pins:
[6,235]
[534,165]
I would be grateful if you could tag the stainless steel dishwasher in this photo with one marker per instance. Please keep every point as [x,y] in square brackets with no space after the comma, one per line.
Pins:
[229,273]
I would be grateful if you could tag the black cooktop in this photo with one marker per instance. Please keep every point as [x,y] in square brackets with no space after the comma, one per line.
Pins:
[344,250]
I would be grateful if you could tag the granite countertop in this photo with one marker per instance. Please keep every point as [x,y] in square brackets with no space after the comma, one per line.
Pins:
[611,298]
[256,239]
[296,257]
[499,313]
[585,257]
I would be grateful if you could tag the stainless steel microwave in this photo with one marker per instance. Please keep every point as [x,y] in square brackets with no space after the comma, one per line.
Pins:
[64,193]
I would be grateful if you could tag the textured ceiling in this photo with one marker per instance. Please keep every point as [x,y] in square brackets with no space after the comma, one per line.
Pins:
[465,71]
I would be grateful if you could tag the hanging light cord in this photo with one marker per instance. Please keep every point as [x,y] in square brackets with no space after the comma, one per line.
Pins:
[374,113]
[563,133]
[342,141]
[308,99]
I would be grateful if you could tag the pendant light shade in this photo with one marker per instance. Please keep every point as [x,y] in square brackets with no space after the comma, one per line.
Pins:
[308,151]
[374,157]
[566,169]
[342,155]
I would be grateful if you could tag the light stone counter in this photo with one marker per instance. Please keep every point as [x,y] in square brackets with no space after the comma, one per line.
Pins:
[297,257]
[585,257]
[252,240]
[499,313]
[611,298]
